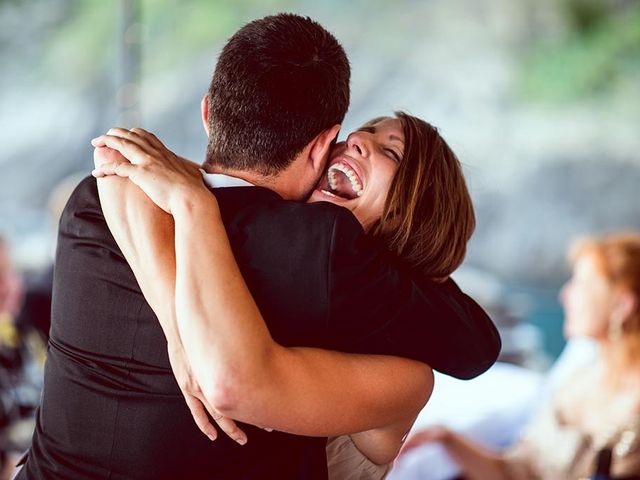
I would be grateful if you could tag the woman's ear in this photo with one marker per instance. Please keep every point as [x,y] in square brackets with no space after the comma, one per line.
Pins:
[204,113]
[321,146]
[625,305]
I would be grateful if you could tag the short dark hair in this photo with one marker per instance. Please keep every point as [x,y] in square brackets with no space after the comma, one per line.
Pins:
[279,82]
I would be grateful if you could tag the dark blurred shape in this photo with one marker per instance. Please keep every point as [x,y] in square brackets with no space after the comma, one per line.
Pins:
[21,359]
[585,14]
[36,311]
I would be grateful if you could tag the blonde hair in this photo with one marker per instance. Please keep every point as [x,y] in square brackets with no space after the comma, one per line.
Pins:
[428,217]
[617,257]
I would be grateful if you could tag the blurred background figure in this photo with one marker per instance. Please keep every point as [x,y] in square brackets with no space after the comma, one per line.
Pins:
[14,405]
[11,288]
[25,318]
[591,422]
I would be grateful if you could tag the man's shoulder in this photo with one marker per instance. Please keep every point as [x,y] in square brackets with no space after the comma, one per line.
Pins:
[85,193]
[261,208]
[317,212]
[87,186]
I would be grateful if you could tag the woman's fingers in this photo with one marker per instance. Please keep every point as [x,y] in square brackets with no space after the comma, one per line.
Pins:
[144,139]
[228,426]
[149,137]
[129,149]
[199,414]
[125,135]
[104,155]
[120,132]
[122,169]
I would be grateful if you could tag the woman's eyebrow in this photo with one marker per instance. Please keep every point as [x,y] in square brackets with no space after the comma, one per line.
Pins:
[372,129]
[396,138]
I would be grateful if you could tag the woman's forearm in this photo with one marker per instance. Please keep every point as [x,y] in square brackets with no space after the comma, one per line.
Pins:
[211,294]
[144,234]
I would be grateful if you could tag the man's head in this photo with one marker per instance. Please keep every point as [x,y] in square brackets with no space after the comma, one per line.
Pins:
[280,82]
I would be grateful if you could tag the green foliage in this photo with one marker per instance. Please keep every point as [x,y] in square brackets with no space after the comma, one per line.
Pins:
[78,40]
[82,47]
[176,31]
[600,56]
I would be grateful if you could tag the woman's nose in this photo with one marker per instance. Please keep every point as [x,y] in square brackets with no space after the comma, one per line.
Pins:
[356,142]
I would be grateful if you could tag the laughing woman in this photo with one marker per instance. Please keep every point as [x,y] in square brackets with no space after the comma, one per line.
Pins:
[403,184]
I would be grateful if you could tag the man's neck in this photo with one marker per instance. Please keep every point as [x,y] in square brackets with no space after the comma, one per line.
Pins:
[257,179]
[277,183]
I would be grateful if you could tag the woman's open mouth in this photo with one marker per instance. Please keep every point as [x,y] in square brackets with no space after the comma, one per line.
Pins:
[342,182]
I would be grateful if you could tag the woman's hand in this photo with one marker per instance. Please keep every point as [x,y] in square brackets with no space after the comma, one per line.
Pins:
[196,401]
[165,177]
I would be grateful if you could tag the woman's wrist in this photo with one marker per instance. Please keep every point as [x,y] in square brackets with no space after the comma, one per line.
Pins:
[191,201]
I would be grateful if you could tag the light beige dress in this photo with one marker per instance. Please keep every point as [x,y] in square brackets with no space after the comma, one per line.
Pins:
[346,462]
[563,441]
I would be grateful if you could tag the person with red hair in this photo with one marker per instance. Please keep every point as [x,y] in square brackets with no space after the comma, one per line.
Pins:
[593,421]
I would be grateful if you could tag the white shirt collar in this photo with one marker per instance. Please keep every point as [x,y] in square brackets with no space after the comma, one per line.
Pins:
[220,180]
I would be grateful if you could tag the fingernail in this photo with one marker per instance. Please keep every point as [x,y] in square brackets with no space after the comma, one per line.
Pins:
[211,437]
[269,429]
[241,440]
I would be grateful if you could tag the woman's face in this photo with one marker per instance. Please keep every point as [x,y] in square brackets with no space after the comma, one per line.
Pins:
[588,299]
[361,169]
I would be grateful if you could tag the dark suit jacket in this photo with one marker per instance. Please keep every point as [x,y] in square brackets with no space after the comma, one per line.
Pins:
[111,407]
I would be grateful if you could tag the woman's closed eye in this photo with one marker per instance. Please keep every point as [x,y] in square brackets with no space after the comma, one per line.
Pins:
[393,154]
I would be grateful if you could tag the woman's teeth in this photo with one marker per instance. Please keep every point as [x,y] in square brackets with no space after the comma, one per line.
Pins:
[350,174]
[327,192]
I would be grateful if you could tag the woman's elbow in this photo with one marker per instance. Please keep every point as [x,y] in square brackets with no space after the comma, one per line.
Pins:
[234,393]
[223,395]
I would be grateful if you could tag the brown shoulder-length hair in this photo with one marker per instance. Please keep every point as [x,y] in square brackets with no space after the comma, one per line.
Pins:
[617,257]
[428,217]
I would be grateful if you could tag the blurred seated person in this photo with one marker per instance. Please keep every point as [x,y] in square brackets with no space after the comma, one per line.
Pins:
[11,297]
[10,285]
[597,409]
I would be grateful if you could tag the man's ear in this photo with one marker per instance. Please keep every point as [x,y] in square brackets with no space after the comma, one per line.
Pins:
[204,113]
[321,146]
